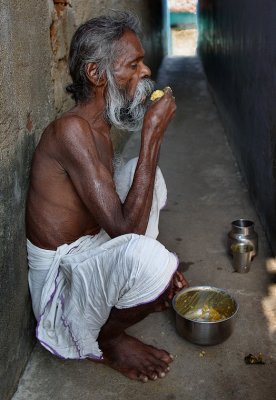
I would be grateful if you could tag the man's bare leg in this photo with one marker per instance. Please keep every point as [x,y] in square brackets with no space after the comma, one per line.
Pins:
[127,354]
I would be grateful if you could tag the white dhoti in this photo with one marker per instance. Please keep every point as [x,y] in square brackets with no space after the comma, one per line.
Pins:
[74,288]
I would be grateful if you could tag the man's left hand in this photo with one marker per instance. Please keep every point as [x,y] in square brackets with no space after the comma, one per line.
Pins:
[178,283]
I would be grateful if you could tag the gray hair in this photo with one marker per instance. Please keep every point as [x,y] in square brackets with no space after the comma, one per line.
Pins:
[95,41]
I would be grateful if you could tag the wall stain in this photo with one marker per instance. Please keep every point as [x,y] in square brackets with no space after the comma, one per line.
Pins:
[29,124]
[60,5]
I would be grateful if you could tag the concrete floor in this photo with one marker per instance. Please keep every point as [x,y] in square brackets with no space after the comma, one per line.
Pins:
[206,193]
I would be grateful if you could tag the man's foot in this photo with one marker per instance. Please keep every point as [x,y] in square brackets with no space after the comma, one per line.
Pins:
[135,359]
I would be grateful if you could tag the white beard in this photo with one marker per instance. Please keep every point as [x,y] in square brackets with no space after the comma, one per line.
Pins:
[123,113]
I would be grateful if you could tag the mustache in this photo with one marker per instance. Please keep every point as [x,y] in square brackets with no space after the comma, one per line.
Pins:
[143,90]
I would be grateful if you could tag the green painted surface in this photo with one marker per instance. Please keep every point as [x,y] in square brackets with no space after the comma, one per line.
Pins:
[181,18]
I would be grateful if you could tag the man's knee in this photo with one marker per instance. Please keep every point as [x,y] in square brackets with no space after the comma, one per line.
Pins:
[144,255]
[149,267]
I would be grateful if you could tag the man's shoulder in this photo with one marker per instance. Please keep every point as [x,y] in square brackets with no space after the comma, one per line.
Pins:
[66,134]
[71,131]
[69,124]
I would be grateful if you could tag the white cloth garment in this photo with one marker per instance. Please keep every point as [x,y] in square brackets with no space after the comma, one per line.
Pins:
[74,288]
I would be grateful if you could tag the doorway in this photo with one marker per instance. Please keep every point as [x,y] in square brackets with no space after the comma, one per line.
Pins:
[182,34]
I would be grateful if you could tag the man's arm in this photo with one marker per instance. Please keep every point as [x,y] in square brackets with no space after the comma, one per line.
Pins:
[93,182]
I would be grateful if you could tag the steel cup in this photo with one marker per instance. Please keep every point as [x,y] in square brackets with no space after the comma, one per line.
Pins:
[242,256]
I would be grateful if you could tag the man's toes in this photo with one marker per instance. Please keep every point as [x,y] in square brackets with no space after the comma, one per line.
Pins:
[158,373]
[143,378]
[161,370]
[157,367]
[136,375]
[154,372]
[153,376]
[147,372]
[163,356]
[167,358]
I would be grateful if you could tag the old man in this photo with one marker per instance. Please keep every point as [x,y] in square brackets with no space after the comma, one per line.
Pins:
[95,266]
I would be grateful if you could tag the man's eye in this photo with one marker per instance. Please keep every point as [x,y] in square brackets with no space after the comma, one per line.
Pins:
[133,66]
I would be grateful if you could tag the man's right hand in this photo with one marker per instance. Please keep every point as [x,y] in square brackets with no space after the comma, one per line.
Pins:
[158,116]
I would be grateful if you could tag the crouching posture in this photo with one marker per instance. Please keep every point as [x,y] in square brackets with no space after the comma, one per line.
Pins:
[95,266]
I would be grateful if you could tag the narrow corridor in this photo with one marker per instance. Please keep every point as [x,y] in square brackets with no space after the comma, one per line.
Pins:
[205,193]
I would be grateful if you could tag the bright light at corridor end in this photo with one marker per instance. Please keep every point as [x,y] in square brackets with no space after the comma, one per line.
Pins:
[182,27]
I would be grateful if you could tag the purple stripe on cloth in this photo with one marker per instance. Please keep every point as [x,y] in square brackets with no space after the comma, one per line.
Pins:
[48,302]
[67,325]
[62,302]
[63,321]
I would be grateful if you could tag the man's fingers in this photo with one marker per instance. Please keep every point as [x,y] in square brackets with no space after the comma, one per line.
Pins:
[168,89]
[168,93]
[179,281]
[178,277]
[183,281]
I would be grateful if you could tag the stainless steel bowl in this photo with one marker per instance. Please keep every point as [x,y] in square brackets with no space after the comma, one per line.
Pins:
[205,315]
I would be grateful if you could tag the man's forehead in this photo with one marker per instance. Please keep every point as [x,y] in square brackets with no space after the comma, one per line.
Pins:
[130,47]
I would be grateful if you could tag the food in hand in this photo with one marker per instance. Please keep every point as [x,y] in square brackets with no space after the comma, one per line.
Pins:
[157,94]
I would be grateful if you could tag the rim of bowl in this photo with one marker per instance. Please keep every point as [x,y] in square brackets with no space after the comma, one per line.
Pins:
[193,288]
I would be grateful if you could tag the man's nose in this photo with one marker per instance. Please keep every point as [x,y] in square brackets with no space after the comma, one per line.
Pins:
[145,71]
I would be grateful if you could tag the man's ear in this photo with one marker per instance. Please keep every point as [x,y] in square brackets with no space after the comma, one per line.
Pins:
[92,73]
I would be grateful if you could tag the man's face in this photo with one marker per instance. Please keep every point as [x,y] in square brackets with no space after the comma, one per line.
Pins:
[129,69]
[128,85]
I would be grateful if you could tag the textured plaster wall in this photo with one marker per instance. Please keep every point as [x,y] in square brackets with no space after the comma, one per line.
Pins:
[26,104]
[238,49]
[35,37]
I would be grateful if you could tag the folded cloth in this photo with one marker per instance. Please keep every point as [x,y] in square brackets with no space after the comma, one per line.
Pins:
[74,288]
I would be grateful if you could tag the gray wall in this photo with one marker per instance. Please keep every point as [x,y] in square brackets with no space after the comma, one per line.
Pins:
[35,37]
[237,44]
